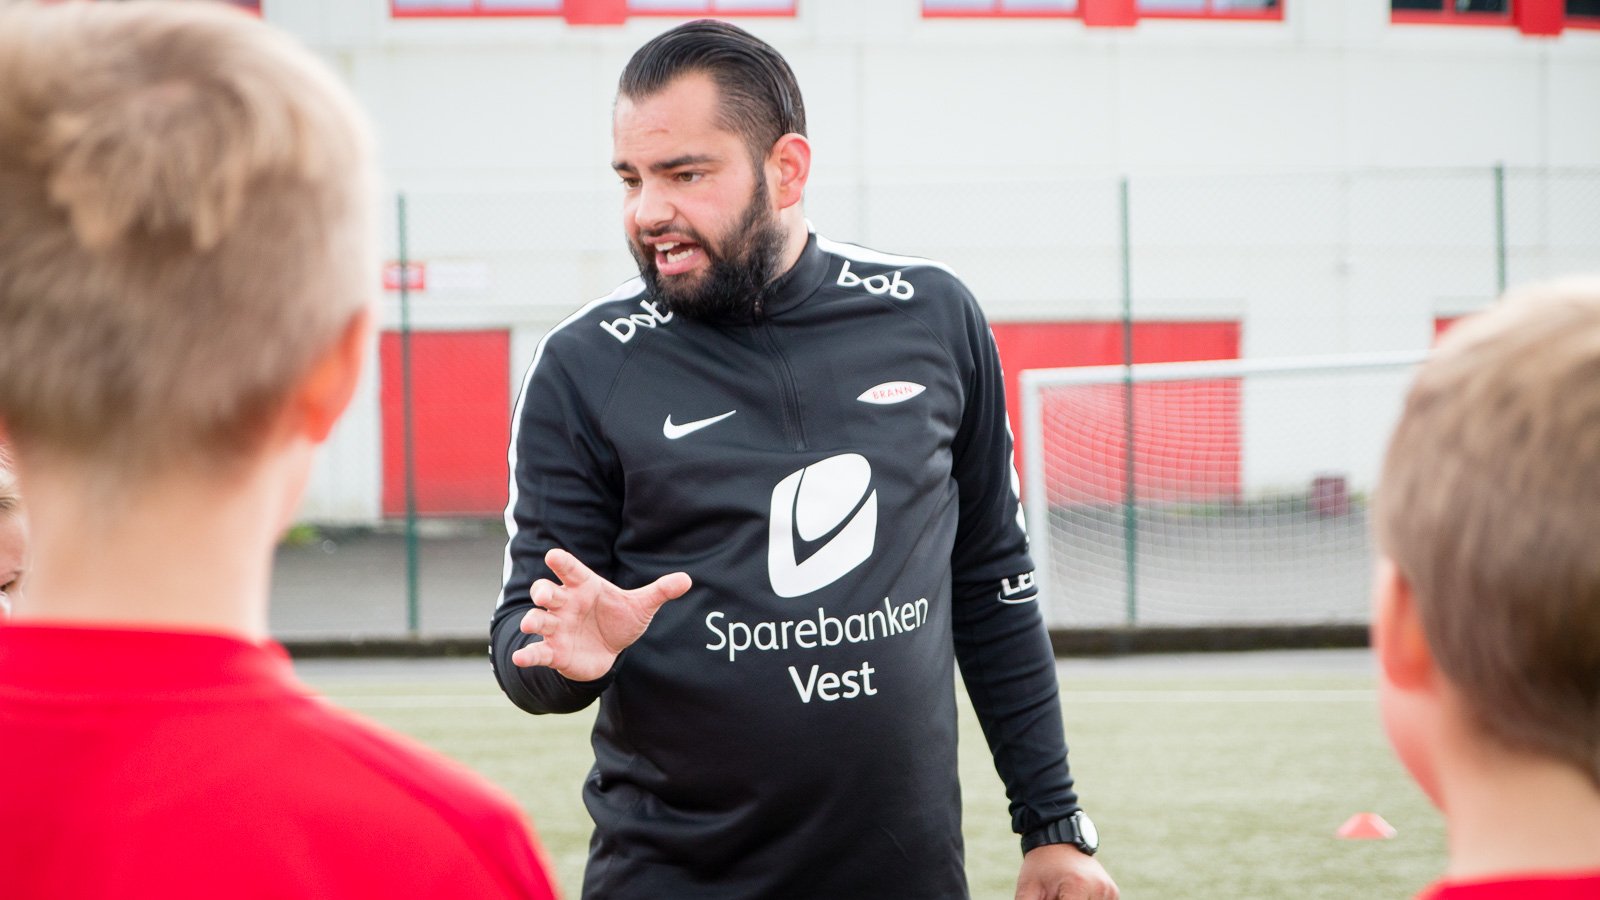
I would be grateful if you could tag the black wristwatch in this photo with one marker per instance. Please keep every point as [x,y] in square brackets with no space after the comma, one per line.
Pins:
[1077,829]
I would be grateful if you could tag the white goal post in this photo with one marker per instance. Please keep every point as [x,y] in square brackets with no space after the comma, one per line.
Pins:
[1247,501]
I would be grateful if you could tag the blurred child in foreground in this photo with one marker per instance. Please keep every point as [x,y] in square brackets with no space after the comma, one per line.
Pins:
[1487,619]
[187,257]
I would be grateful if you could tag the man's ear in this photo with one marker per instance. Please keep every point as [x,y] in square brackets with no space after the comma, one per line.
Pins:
[1398,640]
[325,391]
[789,165]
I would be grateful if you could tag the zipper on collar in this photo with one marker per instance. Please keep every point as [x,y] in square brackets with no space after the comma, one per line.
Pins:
[788,394]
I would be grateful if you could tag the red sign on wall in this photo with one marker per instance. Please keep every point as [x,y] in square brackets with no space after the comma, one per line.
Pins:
[416,276]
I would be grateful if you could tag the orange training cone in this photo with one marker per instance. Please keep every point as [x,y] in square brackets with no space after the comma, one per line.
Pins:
[1366,827]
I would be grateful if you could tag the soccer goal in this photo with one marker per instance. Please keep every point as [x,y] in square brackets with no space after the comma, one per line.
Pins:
[1207,493]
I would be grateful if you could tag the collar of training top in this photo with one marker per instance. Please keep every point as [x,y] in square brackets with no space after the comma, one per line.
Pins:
[803,278]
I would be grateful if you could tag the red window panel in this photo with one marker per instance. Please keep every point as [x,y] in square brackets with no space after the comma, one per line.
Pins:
[962,9]
[1531,17]
[711,7]
[1186,447]
[460,421]
[1583,13]
[1451,12]
[1268,10]
[403,9]
[588,11]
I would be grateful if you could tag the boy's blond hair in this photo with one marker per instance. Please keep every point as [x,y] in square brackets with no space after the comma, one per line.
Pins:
[1489,505]
[185,204]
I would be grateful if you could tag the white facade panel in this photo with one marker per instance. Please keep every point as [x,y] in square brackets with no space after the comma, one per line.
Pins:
[1327,180]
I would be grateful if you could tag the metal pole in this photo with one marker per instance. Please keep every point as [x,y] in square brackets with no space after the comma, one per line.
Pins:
[1500,226]
[407,436]
[1130,511]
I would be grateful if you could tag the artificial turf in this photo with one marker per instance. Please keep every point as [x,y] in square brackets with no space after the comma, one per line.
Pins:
[1202,787]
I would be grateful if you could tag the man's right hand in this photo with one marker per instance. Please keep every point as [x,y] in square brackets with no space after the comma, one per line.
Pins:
[586,620]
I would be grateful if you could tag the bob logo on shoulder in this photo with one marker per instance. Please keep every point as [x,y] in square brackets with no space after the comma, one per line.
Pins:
[891,284]
[623,329]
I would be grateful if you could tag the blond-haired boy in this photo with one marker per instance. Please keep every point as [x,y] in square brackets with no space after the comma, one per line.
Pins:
[186,266]
[1487,620]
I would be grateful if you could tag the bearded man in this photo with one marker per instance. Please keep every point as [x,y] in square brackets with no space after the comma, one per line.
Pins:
[802,445]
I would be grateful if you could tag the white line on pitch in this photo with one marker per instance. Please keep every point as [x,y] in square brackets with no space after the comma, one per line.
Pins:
[478,701]
[1239,696]
[418,701]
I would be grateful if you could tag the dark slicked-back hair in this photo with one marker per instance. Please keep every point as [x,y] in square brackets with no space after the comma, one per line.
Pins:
[759,95]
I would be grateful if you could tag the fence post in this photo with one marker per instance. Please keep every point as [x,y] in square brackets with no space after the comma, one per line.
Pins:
[1500,226]
[1130,512]
[407,445]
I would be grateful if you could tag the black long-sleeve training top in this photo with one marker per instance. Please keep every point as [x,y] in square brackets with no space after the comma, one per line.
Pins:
[835,475]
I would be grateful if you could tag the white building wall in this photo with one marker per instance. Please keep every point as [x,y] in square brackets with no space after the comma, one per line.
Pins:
[996,145]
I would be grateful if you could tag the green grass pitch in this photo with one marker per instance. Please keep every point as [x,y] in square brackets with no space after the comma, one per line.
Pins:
[1205,787]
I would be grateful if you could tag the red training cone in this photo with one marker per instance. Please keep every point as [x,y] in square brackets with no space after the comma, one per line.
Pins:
[1366,827]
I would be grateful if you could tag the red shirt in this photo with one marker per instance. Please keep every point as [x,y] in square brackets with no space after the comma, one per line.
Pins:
[1569,886]
[172,765]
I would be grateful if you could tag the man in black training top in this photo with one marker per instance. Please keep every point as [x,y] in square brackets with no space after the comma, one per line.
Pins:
[815,434]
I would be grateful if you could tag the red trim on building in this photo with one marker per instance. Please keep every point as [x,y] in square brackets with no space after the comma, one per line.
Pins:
[1109,13]
[1540,17]
[595,12]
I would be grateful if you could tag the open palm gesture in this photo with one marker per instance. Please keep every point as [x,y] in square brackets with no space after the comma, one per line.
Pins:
[586,620]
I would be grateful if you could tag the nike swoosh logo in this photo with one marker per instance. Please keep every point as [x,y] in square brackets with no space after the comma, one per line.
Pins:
[674,431]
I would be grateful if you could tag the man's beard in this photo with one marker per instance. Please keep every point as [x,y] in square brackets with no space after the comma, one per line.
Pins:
[740,268]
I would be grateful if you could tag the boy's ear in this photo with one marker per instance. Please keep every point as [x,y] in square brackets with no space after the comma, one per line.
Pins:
[790,161]
[1398,640]
[325,391]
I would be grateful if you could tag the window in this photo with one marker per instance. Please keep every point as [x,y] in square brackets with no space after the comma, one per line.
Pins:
[576,9]
[1451,12]
[1135,9]
[1211,9]
[403,8]
[1583,13]
[711,7]
[1040,8]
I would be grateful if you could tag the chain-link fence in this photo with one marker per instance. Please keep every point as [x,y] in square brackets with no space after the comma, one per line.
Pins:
[403,513]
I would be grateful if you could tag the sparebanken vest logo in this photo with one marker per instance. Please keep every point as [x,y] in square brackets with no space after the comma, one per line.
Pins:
[830,497]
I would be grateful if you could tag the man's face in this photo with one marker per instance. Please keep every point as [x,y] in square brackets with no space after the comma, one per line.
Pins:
[697,213]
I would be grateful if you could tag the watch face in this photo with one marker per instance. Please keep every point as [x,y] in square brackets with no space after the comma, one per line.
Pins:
[1091,837]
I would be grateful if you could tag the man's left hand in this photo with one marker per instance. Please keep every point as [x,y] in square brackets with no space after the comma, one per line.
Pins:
[1063,872]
